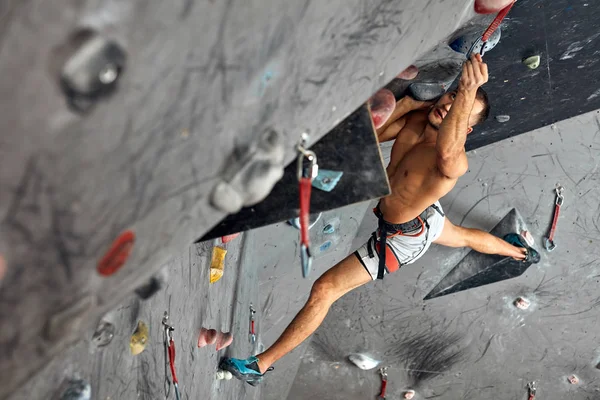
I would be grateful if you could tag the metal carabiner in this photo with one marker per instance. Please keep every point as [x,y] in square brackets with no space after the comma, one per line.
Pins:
[531,387]
[383,372]
[560,198]
[313,170]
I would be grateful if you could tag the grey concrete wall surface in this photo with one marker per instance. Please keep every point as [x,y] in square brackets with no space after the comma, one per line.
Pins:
[475,344]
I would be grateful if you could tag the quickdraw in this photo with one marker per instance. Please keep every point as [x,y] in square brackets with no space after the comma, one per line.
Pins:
[490,30]
[549,244]
[531,389]
[384,377]
[305,177]
[170,350]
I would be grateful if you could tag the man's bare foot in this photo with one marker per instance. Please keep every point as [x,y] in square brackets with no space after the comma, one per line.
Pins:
[262,366]
[382,104]
[409,73]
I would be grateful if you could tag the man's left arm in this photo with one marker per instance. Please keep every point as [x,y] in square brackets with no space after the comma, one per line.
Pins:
[480,241]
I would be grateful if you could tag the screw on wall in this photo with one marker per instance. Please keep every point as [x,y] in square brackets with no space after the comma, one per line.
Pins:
[92,67]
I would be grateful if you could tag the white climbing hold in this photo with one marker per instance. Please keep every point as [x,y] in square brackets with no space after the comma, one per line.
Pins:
[528,238]
[409,394]
[573,380]
[221,374]
[363,361]
[502,118]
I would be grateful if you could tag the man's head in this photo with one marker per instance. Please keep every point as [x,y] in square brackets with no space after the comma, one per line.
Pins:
[480,112]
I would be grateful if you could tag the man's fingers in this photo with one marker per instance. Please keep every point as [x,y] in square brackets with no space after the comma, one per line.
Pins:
[464,68]
[484,71]
[470,72]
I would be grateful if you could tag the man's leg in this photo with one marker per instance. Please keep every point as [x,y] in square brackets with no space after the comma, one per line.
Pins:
[333,284]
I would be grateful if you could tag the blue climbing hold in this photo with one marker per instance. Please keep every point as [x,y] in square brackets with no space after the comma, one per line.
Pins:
[327,180]
[471,43]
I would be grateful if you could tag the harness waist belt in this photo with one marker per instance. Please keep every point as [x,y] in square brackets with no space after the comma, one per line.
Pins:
[405,228]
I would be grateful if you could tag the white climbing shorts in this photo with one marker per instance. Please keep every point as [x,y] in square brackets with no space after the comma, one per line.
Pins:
[403,247]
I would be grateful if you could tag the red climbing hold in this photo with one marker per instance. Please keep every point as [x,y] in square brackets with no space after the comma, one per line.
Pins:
[229,238]
[224,339]
[118,253]
[382,105]
[490,6]
[409,73]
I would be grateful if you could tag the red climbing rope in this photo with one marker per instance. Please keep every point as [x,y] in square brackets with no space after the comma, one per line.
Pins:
[172,359]
[305,178]
[305,191]
[496,22]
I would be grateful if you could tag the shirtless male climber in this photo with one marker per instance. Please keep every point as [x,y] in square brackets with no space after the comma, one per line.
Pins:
[427,159]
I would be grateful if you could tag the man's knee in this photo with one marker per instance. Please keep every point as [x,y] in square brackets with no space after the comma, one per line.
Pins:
[323,291]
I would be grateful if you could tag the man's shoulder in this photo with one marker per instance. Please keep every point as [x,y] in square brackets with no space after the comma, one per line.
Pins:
[416,121]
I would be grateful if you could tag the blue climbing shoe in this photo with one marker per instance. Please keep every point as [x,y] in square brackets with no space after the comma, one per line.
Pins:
[245,370]
[515,239]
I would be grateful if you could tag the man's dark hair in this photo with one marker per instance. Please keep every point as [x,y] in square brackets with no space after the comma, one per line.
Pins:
[483,97]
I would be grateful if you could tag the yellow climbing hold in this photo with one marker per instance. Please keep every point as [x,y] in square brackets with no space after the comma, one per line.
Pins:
[139,339]
[532,62]
[217,264]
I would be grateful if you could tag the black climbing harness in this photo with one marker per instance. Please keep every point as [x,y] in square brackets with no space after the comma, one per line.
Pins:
[386,229]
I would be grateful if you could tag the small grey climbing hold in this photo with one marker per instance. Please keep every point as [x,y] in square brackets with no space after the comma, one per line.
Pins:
[251,172]
[104,334]
[77,389]
[502,118]
[363,361]
[532,62]
[312,220]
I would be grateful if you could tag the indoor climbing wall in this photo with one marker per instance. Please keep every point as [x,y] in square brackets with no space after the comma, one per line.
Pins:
[134,127]
[260,269]
[477,344]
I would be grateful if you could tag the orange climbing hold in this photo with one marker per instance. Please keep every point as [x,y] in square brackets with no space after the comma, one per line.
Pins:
[117,255]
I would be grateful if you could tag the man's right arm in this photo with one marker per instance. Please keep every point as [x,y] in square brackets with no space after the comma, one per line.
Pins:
[450,145]
[397,120]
